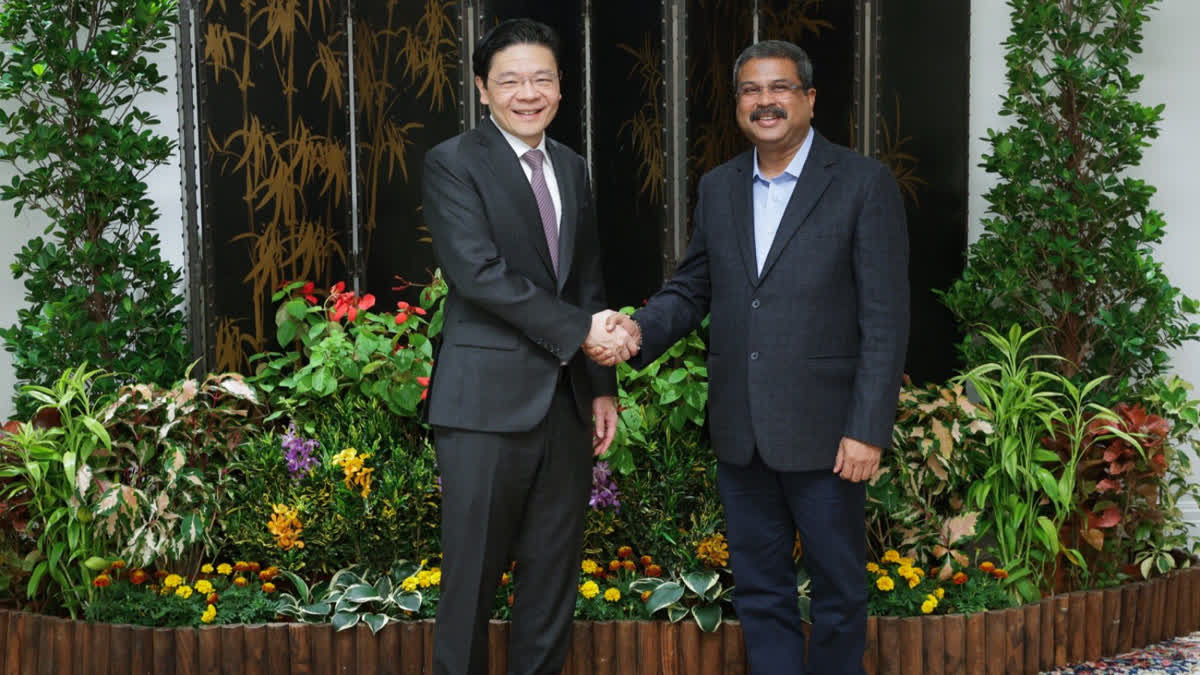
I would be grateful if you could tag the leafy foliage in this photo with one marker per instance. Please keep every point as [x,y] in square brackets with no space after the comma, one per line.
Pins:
[350,597]
[97,287]
[1069,244]
[134,597]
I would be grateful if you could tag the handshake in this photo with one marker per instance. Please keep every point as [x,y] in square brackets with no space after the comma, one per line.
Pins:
[614,338]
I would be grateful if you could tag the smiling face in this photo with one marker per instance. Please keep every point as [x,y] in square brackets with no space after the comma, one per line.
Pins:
[522,90]
[774,110]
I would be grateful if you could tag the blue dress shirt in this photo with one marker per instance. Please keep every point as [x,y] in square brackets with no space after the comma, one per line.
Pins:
[771,198]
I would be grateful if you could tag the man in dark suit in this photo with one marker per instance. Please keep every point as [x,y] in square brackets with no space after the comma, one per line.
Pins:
[800,253]
[513,396]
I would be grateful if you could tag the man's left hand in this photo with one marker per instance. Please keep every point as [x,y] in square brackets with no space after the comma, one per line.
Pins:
[604,412]
[856,461]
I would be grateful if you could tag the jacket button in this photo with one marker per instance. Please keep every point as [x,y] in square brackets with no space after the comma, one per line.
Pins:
[755,304]
[753,356]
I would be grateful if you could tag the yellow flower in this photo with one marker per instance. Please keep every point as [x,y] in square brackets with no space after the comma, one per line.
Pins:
[172,581]
[224,568]
[589,590]
[206,568]
[891,556]
[913,581]
[939,592]
[713,551]
[932,598]
[184,592]
[589,566]
[906,561]
[918,571]
[409,584]
[204,586]
[885,583]
[905,571]
[209,614]
[285,526]
[612,595]
[353,470]
[872,568]
[927,607]
[435,576]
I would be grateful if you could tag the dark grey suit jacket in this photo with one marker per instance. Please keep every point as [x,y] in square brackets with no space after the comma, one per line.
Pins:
[510,325]
[813,349]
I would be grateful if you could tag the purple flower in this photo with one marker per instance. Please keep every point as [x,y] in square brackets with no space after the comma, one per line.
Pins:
[297,452]
[605,493]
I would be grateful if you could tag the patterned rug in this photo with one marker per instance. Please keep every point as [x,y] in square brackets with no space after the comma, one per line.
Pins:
[1173,657]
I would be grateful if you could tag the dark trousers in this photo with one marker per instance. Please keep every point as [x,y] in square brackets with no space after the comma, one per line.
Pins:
[507,497]
[764,509]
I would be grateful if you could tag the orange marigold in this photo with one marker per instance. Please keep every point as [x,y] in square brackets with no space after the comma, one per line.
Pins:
[510,599]
[646,561]
[213,598]
[161,574]
[264,576]
[959,578]
[268,587]
[614,565]
[241,566]
[118,564]
[625,552]
[102,581]
[987,567]
[629,565]
[240,582]
[138,577]
[654,571]
[645,596]
[254,567]
[1000,573]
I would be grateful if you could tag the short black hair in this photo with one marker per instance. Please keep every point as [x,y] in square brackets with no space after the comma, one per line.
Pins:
[776,49]
[508,33]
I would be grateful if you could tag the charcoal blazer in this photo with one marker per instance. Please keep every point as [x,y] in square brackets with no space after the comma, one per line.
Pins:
[510,324]
[812,349]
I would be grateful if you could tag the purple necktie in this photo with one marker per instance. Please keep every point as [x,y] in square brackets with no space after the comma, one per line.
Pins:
[541,192]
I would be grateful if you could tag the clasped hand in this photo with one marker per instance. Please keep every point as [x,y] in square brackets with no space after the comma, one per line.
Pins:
[614,338]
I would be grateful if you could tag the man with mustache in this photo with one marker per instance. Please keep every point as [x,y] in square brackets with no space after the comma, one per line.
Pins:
[800,253]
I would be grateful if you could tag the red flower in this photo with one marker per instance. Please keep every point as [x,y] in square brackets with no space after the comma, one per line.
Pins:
[629,565]
[138,577]
[987,567]
[646,560]
[999,573]
[510,599]
[338,288]
[212,598]
[654,571]
[424,394]
[102,581]
[625,552]
[960,578]
[401,317]
[423,381]
[348,304]
[307,291]
[402,306]
[118,564]
[614,565]
[419,311]
[254,567]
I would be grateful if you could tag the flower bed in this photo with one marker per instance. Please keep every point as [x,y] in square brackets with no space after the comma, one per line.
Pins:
[1063,629]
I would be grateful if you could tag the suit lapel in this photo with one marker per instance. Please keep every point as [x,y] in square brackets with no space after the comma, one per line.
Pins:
[814,178]
[568,192]
[510,177]
[742,198]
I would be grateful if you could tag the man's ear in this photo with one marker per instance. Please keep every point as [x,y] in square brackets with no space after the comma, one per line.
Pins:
[483,97]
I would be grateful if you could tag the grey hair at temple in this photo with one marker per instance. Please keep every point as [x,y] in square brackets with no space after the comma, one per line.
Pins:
[776,49]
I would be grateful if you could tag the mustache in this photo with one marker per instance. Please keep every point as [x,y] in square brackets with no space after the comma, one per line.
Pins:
[772,110]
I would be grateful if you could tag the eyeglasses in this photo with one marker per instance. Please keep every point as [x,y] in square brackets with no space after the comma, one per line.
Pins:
[779,88]
[543,82]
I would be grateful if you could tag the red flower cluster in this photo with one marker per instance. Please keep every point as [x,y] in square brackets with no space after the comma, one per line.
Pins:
[403,309]
[348,304]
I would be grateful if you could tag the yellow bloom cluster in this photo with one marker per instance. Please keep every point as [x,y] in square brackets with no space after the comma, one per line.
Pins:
[589,566]
[930,604]
[422,579]
[885,583]
[612,594]
[209,614]
[172,581]
[285,526]
[206,568]
[589,590]
[224,568]
[354,471]
[184,592]
[204,586]
[713,551]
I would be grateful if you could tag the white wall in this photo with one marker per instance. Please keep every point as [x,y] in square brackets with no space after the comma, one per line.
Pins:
[164,186]
[1171,63]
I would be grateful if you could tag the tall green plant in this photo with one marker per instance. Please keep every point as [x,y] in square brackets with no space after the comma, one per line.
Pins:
[1026,492]
[97,287]
[1068,246]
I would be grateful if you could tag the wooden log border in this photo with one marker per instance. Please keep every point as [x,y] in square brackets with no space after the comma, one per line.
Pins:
[1013,641]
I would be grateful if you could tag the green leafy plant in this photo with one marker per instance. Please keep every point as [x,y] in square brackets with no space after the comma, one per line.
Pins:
[386,356]
[97,287]
[699,594]
[1024,491]
[52,477]
[351,597]
[166,477]
[916,502]
[1069,243]
[133,596]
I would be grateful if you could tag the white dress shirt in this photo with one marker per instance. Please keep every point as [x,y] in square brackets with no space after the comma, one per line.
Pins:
[521,147]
